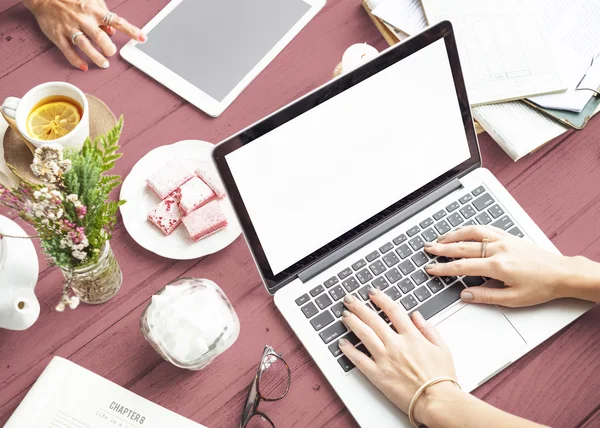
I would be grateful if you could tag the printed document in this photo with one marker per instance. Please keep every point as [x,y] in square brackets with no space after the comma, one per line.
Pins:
[573,30]
[405,15]
[503,53]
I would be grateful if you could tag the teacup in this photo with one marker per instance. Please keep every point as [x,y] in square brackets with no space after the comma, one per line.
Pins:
[16,111]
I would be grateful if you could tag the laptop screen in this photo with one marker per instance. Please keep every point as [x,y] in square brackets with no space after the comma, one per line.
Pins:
[331,168]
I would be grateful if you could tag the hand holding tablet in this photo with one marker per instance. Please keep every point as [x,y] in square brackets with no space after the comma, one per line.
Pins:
[208,52]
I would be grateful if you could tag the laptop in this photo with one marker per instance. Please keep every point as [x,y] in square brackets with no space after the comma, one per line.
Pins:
[338,192]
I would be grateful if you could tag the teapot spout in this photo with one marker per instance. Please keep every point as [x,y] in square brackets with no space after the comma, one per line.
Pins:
[19,309]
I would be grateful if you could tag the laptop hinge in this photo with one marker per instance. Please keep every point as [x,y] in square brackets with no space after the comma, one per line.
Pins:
[378,230]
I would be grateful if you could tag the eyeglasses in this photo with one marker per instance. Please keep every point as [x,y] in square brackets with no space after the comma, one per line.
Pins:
[271,383]
[579,88]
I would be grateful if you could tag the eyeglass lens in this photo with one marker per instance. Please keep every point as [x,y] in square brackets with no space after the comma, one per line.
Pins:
[274,378]
[259,421]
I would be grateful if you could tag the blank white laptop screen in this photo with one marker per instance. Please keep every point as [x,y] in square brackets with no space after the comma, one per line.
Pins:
[328,170]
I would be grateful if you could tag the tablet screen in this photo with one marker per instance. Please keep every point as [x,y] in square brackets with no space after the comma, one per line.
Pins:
[214,44]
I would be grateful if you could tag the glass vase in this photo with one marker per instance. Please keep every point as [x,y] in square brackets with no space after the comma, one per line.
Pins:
[99,282]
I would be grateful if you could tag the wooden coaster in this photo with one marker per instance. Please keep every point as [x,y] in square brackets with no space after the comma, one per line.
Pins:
[18,155]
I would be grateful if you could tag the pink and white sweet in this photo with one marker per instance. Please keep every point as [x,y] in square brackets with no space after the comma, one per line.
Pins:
[168,178]
[207,172]
[167,215]
[205,221]
[194,194]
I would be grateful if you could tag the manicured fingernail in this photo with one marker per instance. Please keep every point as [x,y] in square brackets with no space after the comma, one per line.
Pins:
[142,38]
[342,342]
[105,64]
[349,298]
[466,296]
[373,291]
[417,314]
[428,244]
[430,265]
[346,314]
[442,237]
[83,67]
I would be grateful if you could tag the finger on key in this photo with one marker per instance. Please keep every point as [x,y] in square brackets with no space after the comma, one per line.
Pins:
[472,233]
[471,267]
[365,333]
[394,311]
[458,250]
[87,48]
[99,36]
[368,316]
[359,359]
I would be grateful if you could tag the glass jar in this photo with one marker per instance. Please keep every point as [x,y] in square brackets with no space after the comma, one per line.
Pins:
[190,322]
[99,282]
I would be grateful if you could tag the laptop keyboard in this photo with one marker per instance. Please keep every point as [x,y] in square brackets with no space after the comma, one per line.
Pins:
[398,269]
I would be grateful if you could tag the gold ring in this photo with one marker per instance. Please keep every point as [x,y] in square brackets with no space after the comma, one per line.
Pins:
[484,243]
[107,19]
[74,37]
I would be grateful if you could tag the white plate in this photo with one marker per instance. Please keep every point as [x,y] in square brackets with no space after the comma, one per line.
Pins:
[140,200]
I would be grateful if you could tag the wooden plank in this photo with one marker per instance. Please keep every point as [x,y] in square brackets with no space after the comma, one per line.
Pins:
[21,40]
[7,4]
[593,420]
[107,340]
[64,336]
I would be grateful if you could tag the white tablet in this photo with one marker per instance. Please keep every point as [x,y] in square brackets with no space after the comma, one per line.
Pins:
[208,51]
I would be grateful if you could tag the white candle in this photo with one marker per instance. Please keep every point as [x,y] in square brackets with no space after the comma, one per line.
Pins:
[357,55]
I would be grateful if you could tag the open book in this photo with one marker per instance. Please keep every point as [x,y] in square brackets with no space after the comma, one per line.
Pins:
[69,396]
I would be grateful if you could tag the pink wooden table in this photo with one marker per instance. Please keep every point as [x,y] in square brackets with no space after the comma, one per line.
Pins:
[557,384]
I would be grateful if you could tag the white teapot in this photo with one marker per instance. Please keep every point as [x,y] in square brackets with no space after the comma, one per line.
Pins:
[19,308]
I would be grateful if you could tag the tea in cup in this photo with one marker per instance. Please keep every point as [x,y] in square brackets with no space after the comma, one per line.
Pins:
[53,112]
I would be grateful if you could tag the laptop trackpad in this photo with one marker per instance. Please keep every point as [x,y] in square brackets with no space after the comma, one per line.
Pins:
[481,340]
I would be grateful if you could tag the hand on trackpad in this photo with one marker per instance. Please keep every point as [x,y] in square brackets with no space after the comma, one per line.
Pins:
[481,340]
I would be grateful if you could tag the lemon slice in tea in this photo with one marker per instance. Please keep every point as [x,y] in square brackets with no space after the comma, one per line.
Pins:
[52,120]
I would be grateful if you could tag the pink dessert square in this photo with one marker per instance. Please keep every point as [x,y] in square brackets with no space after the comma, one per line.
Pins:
[205,221]
[168,178]
[207,172]
[194,194]
[167,215]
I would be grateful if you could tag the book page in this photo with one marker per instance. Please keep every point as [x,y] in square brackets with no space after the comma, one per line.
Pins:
[69,396]
[405,15]
[573,30]
[516,127]
[503,53]
[573,23]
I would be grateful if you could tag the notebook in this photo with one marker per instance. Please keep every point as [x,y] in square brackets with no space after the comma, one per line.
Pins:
[503,53]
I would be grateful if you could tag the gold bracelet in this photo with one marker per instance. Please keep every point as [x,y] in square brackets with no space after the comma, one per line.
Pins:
[411,407]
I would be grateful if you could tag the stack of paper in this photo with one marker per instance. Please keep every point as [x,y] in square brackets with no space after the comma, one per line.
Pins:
[405,15]
[502,51]
[511,50]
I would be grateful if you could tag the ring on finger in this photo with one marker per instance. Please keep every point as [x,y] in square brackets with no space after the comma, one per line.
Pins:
[484,243]
[108,18]
[75,35]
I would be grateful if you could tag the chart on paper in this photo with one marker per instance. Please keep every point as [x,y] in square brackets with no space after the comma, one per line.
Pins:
[503,54]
